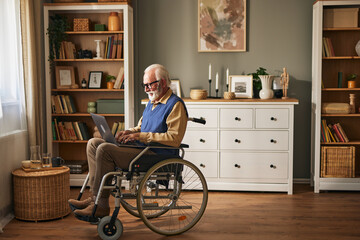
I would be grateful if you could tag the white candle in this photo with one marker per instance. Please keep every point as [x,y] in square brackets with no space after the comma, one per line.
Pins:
[227,76]
[209,71]
[217,81]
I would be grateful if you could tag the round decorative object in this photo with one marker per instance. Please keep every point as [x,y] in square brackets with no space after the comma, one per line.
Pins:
[229,95]
[114,22]
[266,81]
[91,110]
[198,94]
[357,48]
[91,104]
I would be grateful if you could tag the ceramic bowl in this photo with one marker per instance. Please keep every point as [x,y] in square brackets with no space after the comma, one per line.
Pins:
[229,95]
[26,163]
[198,94]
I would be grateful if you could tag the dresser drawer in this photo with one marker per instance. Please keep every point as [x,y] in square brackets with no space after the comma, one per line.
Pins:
[254,165]
[254,140]
[272,118]
[201,140]
[210,115]
[205,161]
[236,118]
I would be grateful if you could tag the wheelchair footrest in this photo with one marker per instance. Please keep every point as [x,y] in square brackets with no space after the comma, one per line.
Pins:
[90,219]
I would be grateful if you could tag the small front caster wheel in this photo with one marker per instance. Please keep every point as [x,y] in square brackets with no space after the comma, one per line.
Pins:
[110,232]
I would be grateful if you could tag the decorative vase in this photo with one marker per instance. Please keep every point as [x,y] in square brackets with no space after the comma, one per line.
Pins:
[114,22]
[351,84]
[110,85]
[357,48]
[266,81]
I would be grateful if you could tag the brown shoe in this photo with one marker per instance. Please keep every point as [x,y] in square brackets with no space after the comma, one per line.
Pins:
[100,212]
[76,204]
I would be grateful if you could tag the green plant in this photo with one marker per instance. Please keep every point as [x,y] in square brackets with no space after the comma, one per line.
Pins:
[351,77]
[256,78]
[110,78]
[58,25]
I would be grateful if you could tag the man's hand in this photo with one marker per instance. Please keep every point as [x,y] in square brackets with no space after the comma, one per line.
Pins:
[96,133]
[129,137]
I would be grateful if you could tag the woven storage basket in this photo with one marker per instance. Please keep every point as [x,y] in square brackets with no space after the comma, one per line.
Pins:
[81,24]
[41,195]
[338,162]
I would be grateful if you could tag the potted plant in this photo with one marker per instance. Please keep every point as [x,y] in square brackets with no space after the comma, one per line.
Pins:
[56,31]
[256,80]
[351,80]
[110,81]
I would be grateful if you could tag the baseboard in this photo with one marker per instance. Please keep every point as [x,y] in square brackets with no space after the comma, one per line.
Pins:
[301,180]
[6,215]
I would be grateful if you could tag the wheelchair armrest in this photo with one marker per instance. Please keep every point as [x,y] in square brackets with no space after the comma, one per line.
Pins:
[159,145]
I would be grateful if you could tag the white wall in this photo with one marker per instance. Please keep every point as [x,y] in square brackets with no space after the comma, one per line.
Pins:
[13,149]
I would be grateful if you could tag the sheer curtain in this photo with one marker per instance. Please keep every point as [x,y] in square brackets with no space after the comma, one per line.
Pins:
[12,103]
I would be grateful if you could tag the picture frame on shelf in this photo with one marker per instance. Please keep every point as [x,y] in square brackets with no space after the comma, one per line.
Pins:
[175,87]
[230,16]
[241,85]
[95,78]
[65,76]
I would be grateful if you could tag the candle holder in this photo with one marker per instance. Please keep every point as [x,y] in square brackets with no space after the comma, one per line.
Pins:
[216,93]
[210,88]
[227,87]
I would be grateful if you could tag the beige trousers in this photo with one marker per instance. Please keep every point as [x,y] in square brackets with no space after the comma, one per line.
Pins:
[103,157]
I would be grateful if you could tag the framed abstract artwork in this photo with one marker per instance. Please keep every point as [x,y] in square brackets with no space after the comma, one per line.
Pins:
[221,26]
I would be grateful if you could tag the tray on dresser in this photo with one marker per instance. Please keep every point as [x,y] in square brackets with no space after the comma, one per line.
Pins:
[43,169]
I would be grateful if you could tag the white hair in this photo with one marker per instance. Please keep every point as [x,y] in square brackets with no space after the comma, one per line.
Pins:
[160,72]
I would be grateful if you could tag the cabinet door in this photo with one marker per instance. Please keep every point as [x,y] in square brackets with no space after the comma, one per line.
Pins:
[254,140]
[210,116]
[205,161]
[254,165]
[272,118]
[236,118]
[201,139]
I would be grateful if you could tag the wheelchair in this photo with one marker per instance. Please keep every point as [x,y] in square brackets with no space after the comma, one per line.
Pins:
[168,193]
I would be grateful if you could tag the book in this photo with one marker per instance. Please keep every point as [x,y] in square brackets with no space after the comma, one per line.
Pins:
[119,46]
[114,128]
[68,105]
[342,132]
[60,104]
[84,131]
[57,129]
[53,130]
[106,47]
[114,46]
[77,130]
[338,133]
[118,82]
[62,98]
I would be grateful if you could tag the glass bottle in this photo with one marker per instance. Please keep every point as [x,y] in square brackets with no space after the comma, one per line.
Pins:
[83,82]
[35,157]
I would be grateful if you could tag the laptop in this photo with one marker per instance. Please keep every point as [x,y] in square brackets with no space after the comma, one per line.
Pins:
[104,129]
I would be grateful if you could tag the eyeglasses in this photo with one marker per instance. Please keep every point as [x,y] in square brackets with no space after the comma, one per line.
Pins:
[148,85]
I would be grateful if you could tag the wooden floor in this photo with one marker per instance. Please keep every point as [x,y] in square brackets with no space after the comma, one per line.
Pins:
[230,215]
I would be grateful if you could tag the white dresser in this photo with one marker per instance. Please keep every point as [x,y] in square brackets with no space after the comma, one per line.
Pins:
[245,145]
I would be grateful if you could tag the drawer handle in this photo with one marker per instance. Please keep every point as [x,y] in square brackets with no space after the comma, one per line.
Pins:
[237,141]
[273,141]
[273,119]
[272,166]
[237,119]
[202,165]
[202,140]
[237,165]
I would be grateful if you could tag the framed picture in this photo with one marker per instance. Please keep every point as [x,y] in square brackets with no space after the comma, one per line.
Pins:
[175,87]
[221,26]
[65,76]
[95,79]
[241,85]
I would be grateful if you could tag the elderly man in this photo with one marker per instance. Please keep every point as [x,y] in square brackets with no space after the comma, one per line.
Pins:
[164,121]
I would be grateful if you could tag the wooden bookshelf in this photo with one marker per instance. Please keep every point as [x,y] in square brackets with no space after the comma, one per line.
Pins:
[325,72]
[85,40]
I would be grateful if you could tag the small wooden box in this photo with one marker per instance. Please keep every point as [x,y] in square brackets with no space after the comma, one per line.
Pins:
[338,162]
[81,24]
[341,17]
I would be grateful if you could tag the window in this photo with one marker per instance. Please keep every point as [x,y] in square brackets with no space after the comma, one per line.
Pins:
[12,98]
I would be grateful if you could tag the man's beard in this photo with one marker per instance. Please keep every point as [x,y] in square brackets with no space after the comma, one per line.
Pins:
[153,95]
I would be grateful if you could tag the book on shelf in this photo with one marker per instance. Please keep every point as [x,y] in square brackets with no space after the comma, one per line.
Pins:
[117,127]
[114,46]
[332,133]
[63,104]
[343,134]
[328,49]
[119,79]
[119,46]
[76,166]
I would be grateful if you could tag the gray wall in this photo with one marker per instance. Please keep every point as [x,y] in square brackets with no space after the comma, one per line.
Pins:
[278,35]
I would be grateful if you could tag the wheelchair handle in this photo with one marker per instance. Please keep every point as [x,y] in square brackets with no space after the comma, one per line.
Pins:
[197,120]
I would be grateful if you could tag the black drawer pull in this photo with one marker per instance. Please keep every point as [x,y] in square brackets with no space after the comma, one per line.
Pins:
[237,119]
[273,141]
[237,165]
[202,140]
[272,166]
[202,165]
[237,141]
[273,119]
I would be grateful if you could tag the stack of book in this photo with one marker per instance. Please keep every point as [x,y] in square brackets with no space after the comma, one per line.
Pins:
[67,50]
[117,127]
[332,133]
[62,104]
[76,166]
[113,47]
[328,49]
[69,131]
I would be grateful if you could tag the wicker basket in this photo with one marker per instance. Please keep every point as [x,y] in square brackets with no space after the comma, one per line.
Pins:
[41,195]
[81,24]
[338,162]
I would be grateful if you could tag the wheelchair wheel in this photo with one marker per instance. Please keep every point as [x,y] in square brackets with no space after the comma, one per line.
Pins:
[107,232]
[129,204]
[174,194]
